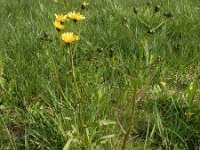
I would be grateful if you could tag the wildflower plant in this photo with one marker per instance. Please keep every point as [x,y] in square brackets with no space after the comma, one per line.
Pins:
[75,16]
[61,18]
[69,37]
[58,25]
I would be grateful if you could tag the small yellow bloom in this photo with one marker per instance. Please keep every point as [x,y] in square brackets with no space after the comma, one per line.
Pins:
[69,37]
[162,84]
[189,114]
[58,25]
[55,1]
[84,4]
[61,18]
[75,16]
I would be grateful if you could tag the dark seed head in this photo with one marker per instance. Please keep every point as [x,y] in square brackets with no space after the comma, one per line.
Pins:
[111,53]
[159,58]
[150,31]
[177,46]
[157,8]
[45,36]
[168,14]
[148,3]
[135,10]
[125,20]
[99,49]
[83,6]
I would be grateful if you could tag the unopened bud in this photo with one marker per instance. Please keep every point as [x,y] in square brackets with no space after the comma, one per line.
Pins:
[157,8]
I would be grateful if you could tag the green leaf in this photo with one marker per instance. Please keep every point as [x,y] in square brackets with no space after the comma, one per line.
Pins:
[106,138]
[106,122]
[67,145]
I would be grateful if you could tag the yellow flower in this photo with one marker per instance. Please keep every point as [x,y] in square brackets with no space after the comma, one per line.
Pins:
[61,18]
[69,37]
[84,5]
[58,25]
[75,16]
[162,84]
[189,114]
[55,1]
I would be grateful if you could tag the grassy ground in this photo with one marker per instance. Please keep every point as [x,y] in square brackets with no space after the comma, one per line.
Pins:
[134,73]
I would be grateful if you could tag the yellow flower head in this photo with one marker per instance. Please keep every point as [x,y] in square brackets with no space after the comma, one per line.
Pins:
[75,16]
[162,84]
[55,1]
[189,114]
[61,18]
[69,37]
[84,4]
[58,25]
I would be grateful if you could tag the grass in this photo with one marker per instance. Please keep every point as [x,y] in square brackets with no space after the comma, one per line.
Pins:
[105,87]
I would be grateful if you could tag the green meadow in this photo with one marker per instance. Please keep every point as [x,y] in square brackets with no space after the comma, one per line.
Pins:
[128,81]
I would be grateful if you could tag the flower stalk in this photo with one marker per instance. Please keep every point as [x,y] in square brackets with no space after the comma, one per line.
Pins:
[80,106]
[131,123]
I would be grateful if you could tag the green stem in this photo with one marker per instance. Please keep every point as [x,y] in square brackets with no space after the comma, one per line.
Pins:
[131,125]
[155,28]
[141,21]
[80,107]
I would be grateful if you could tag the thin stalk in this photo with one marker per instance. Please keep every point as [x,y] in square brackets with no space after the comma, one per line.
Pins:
[57,80]
[131,125]
[80,107]
[141,21]
[11,139]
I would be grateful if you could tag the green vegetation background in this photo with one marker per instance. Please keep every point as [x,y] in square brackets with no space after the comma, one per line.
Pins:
[123,43]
